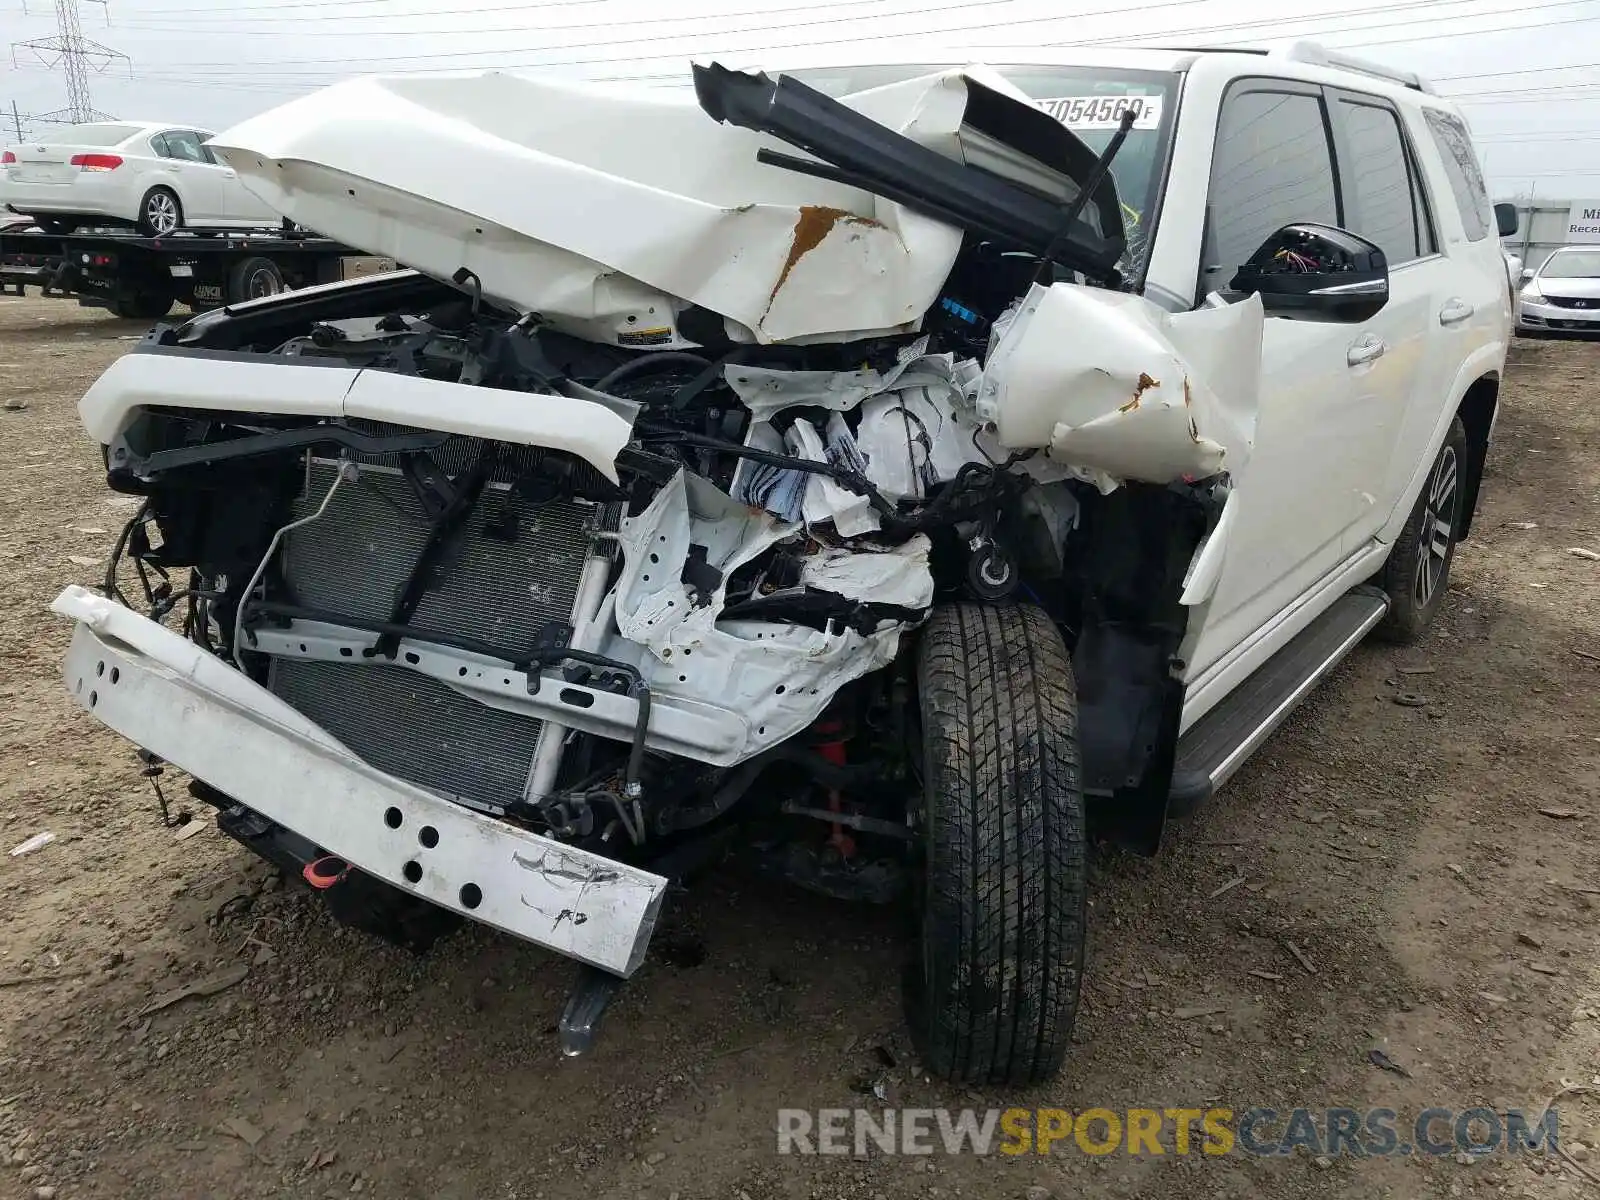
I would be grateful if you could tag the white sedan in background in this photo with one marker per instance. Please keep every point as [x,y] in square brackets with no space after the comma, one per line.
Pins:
[1562,294]
[157,178]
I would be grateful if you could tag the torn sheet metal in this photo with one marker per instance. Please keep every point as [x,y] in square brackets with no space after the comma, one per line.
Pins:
[915,438]
[585,202]
[914,427]
[1119,389]
[767,391]
[801,496]
[826,500]
[897,575]
[1205,568]
[777,677]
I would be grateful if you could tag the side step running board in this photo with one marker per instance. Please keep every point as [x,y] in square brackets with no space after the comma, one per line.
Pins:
[1219,743]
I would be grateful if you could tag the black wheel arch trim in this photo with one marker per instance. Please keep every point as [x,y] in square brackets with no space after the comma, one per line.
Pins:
[1476,410]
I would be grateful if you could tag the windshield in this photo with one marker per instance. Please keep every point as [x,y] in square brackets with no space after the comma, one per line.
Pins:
[1087,100]
[1569,264]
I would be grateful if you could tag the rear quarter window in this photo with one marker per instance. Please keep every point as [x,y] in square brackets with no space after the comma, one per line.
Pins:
[1461,166]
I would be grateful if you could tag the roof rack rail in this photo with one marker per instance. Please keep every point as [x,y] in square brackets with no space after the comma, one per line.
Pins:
[1320,55]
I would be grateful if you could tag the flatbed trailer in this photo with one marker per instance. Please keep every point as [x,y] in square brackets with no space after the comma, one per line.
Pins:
[143,277]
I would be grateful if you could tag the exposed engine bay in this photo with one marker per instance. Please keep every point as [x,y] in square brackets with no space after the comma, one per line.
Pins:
[593,537]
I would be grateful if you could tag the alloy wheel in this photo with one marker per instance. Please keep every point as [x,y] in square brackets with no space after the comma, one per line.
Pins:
[1438,527]
[161,211]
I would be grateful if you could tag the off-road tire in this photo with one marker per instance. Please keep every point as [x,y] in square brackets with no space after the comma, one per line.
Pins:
[254,278]
[144,223]
[992,990]
[1410,613]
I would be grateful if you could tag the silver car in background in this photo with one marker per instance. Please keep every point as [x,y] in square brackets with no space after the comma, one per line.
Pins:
[1563,294]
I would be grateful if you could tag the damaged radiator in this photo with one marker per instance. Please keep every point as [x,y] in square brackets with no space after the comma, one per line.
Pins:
[513,570]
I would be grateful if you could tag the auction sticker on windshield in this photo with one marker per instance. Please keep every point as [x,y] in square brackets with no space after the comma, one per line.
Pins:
[1103,112]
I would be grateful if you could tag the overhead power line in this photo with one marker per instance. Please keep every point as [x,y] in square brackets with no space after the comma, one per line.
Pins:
[1433,37]
[74,55]
[660,37]
[458,26]
[1335,31]
[496,56]
[1576,135]
[1518,71]
[191,14]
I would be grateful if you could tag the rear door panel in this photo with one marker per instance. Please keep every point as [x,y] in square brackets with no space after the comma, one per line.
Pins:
[199,184]
[1378,179]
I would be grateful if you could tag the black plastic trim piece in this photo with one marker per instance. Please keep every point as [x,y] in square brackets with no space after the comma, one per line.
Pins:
[858,150]
[282,441]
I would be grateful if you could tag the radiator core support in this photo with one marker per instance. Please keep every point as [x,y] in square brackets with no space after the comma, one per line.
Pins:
[520,566]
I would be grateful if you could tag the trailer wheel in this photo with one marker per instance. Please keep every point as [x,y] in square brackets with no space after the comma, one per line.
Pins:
[993,989]
[141,306]
[253,278]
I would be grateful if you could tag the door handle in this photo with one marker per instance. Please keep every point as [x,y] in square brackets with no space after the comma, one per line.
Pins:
[1365,349]
[1455,311]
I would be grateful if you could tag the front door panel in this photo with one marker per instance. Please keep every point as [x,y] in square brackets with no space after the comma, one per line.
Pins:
[1293,502]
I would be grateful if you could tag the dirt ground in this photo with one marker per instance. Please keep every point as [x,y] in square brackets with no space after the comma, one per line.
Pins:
[1402,849]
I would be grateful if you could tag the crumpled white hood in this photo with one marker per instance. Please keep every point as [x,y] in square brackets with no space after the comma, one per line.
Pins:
[606,210]
[609,212]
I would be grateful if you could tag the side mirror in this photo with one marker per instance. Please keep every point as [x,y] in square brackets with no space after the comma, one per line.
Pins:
[1317,271]
[1505,218]
[1527,274]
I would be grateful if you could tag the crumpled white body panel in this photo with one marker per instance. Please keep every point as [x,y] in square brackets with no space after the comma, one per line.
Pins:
[779,676]
[550,191]
[135,382]
[1119,389]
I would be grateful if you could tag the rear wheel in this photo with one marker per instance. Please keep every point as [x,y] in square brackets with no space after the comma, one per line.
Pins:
[993,989]
[160,212]
[142,306]
[59,226]
[254,278]
[1418,570]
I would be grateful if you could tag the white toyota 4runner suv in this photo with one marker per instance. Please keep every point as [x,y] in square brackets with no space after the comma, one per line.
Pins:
[881,475]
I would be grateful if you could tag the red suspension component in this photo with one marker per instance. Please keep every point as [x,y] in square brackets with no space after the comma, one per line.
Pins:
[831,749]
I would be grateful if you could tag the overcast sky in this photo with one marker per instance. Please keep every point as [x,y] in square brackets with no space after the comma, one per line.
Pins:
[1526,72]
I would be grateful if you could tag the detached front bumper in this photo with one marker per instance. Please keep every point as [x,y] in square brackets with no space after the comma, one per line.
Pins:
[172,698]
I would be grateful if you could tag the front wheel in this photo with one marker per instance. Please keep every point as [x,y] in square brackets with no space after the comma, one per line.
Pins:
[1418,569]
[993,989]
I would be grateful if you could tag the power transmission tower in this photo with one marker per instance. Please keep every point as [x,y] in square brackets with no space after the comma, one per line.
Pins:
[76,55]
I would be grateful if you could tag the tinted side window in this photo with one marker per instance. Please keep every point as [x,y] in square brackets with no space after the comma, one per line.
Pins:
[1380,187]
[184,145]
[1461,165]
[1273,166]
[159,144]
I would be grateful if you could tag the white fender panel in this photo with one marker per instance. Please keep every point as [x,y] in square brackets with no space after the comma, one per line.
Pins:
[1116,387]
